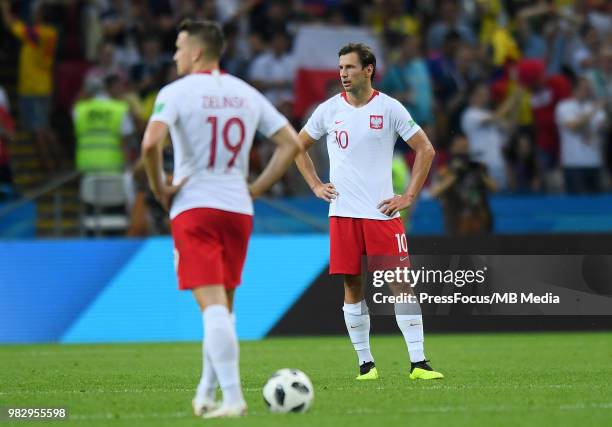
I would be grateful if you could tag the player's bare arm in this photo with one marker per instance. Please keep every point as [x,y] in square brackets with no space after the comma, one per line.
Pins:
[306,167]
[424,157]
[287,147]
[152,144]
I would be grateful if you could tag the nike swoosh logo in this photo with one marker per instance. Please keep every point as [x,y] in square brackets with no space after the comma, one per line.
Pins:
[353,327]
[403,258]
[338,121]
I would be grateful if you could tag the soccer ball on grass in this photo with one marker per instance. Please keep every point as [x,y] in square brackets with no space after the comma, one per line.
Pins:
[288,390]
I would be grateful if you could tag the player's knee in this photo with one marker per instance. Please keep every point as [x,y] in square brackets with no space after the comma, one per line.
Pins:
[353,291]
[210,295]
[352,282]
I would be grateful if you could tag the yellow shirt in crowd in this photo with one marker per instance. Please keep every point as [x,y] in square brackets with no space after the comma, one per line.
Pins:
[36,58]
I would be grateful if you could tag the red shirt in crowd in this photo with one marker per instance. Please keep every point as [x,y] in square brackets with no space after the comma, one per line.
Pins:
[6,122]
[543,103]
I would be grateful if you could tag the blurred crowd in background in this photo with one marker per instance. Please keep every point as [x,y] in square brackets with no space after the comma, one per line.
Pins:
[515,95]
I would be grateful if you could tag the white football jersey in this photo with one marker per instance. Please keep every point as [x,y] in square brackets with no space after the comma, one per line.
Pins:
[360,144]
[213,118]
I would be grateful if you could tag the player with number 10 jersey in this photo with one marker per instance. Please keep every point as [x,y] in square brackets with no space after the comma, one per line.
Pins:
[360,127]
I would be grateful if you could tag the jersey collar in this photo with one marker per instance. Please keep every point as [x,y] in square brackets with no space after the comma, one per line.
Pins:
[345,97]
[211,71]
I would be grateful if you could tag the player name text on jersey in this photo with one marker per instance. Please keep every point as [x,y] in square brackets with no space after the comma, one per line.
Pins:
[224,102]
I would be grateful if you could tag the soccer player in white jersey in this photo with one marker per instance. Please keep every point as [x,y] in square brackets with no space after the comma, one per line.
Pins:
[361,126]
[212,118]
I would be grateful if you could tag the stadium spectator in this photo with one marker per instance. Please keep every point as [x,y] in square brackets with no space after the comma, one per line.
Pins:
[120,25]
[106,64]
[581,120]
[68,19]
[342,15]
[523,177]
[561,32]
[4,100]
[270,17]
[273,71]
[463,187]
[465,42]
[234,61]
[545,93]
[495,38]
[7,134]
[488,130]
[529,36]
[257,45]
[584,55]
[146,73]
[35,79]
[408,81]
[600,75]
[102,125]
[597,13]
[441,65]
[453,72]
[147,216]
[390,16]
[601,81]
[450,20]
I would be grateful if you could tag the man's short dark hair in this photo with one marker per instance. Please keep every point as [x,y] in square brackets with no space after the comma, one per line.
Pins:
[207,32]
[111,80]
[364,52]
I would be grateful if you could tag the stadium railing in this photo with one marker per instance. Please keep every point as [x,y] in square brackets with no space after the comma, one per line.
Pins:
[53,187]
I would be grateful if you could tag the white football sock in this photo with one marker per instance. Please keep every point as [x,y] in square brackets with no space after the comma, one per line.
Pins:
[411,326]
[207,388]
[357,319]
[222,344]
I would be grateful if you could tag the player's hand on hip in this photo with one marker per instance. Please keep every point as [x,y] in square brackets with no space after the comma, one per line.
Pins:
[255,190]
[395,204]
[167,193]
[326,192]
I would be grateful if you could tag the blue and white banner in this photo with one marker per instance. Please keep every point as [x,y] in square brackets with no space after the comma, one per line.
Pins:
[125,290]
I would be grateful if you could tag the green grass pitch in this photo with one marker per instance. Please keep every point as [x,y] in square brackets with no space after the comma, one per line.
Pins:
[537,379]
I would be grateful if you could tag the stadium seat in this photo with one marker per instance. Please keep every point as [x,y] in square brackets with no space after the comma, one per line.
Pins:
[103,204]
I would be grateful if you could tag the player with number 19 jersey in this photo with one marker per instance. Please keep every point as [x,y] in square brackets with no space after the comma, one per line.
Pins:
[212,118]
[215,161]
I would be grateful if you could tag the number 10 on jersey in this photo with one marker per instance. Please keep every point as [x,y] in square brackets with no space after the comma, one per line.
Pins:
[342,139]
[232,148]
[402,243]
